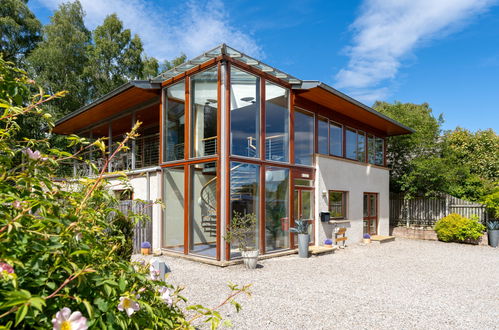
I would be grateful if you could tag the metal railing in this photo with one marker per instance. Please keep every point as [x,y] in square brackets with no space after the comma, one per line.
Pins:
[274,147]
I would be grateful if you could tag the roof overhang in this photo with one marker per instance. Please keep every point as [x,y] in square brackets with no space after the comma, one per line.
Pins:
[328,97]
[127,96]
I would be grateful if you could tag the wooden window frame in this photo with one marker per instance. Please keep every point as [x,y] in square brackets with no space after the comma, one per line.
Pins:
[344,203]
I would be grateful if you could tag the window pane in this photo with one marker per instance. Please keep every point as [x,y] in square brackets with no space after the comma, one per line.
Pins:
[379,151]
[366,211]
[336,205]
[371,149]
[173,232]
[304,138]
[361,147]
[245,113]
[304,182]
[351,144]
[276,208]
[322,138]
[174,122]
[372,205]
[204,113]
[244,199]
[276,122]
[203,209]
[335,140]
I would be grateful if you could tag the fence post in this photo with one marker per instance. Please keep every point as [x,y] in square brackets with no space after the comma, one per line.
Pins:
[447,205]
[406,212]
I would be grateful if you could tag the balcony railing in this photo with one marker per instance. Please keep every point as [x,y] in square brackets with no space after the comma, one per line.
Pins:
[274,147]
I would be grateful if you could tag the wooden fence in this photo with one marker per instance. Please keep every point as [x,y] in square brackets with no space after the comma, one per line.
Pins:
[425,212]
[143,229]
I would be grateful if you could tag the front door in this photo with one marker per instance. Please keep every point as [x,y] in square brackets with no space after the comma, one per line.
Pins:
[304,208]
[371,213]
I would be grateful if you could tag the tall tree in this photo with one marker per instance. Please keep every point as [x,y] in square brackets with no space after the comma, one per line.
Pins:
[115,56]
[20,30]
[60,59]
[167,65]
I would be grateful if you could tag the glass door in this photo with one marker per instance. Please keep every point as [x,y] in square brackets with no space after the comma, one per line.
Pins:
[304,208]
[371,213]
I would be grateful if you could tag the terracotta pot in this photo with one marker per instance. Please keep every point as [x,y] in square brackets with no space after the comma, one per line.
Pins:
[328,245]
[145,251]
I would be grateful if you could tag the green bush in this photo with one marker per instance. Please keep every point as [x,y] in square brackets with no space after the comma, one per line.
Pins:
[456,228]
[492,203]
[122,230]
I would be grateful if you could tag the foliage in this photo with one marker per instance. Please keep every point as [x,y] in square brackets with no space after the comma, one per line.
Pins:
[456,228]
[167,65]
[275,211]
[242,231]
[56,251]
[20,30]
[493,225]
[145,245]
[301,227]
[122,226]
[492,203]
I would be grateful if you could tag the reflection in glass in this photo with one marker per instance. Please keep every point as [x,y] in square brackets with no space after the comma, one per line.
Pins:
[203,209]
[276,208]
[204,94]
[323,137]
[361,146]
[276,122]
[337,204]
[173,229]
[304,138]
[370,149]
[174,122]
[379,151]
[335,140]
[244,197]
[351,144]
[244,113]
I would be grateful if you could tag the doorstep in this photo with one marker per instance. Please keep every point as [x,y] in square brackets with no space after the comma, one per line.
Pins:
[318,250]
[382,239]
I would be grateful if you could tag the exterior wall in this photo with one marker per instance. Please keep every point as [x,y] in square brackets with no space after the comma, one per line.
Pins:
[335,174]
[145,188]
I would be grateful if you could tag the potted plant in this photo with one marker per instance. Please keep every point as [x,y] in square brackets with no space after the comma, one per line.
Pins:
[145,248]
[242,232]
[328,243]
[366,239]
[301,228]
[493,232]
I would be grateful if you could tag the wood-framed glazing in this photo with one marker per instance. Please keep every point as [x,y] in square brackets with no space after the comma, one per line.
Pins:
[344,203]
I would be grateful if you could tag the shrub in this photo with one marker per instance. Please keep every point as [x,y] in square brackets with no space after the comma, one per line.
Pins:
[456,228]
[122,230]
[492,203]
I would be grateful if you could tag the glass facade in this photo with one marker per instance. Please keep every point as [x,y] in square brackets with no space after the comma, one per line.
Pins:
[361,146]
[380,146]
[322,136]
[276,208]
[336,140]
[173,147]
[304,138]
[173,198]
[351,144]
[244,114]
[370,149]
[204,103]
[276,123]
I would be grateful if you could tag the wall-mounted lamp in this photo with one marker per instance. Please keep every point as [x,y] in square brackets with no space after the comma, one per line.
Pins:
[324,193]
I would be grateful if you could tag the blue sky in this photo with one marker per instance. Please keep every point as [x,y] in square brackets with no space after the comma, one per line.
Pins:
[443,52]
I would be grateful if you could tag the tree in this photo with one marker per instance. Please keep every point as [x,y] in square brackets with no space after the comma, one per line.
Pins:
[60,60]
[114,57]
[20,30]
[167,65]
[409,156]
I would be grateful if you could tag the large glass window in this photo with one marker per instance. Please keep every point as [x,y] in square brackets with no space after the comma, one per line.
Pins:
[370,149]
[244,113]
[203,209]
[304,138]
[380,145]
[351,144]
[276,208]
[173,229]
[276,122]
[204,99]
[337,204]
[323,136]
[244,180]
[361,146]
[173,148]
[336,140]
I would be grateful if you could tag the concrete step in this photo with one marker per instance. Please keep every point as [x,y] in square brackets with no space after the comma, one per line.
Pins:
[382,239]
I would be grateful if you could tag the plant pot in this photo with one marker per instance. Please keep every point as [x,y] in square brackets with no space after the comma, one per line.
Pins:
[250,258]
[303,241]
[493,237]
[366,240]
[145,251]
[328,245]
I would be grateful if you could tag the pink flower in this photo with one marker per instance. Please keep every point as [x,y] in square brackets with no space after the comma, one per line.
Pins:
[4,267]
[65,320]
[165,295]
[154,273]
[16,204]
[128,305]
[34,155]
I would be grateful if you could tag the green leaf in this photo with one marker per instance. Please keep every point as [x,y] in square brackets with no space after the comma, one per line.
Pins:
[37,303]
[88,307]
[20,314]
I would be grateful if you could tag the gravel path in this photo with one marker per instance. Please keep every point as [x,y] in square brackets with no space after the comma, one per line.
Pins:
[404,284]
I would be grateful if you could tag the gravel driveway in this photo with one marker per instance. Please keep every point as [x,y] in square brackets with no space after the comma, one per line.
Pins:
[404,284]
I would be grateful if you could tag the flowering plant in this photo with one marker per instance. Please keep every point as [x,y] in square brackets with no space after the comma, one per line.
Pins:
[145,245]
[367,236]
[59,266]
[328,241]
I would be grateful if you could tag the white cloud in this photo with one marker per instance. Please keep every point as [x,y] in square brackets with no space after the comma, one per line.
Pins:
[191,28]
[386,31]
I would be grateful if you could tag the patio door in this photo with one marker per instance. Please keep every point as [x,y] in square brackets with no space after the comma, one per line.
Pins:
[304,208]
[371,213]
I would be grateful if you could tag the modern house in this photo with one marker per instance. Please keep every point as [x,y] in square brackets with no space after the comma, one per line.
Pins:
[225,133]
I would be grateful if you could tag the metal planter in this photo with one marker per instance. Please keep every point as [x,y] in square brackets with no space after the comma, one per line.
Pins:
[303,241]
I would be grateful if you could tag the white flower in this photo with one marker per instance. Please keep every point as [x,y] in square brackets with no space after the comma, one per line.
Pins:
[128,305]
[78,237]
[65,320]
[154,273]
[165,295]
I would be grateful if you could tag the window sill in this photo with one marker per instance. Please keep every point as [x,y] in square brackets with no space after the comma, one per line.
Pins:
[338,221]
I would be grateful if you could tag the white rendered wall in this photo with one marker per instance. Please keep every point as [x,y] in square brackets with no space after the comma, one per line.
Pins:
[356,178]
